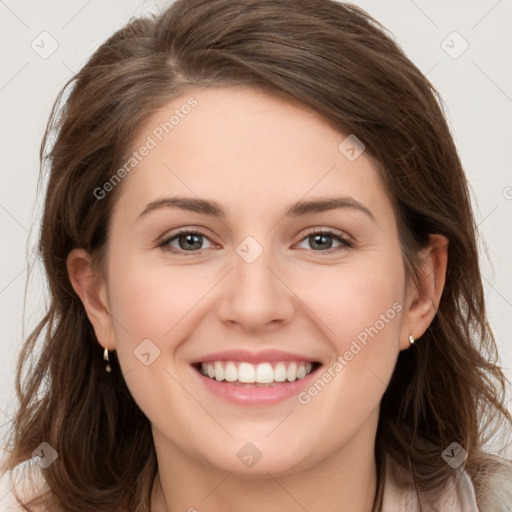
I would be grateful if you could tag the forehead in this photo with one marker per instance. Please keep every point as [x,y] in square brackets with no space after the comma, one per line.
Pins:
[246,149]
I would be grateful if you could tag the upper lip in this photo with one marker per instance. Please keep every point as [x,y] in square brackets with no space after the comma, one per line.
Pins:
[263,356]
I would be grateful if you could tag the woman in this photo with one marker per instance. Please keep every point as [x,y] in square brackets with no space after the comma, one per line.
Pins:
[322,344]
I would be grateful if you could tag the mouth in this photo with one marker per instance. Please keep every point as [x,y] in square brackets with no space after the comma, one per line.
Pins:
[263,374]
[256,384]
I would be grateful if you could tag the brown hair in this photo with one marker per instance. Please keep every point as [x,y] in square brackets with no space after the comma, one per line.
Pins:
[339,62]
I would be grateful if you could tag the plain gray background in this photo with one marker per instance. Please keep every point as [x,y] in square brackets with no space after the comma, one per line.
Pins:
[462,46]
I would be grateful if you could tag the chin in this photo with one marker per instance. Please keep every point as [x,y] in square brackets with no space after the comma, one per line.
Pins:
[261,456]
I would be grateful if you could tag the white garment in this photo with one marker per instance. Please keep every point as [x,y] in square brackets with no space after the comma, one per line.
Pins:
[458,496]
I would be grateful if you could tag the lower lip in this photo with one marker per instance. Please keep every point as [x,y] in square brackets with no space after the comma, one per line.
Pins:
[248,394]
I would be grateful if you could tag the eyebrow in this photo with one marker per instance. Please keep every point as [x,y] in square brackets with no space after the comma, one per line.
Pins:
[297,209]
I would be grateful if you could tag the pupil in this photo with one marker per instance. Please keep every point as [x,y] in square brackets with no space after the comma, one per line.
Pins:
[321,239]
[190,238]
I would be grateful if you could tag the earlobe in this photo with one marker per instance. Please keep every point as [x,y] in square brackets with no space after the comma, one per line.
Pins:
[90,286]
[424,295]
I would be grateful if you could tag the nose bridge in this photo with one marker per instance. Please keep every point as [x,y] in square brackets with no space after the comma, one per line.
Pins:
[252,275]
[252,263]
[255,296]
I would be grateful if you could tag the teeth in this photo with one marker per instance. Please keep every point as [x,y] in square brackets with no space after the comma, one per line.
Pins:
[291,373]
[263,373]
[219,371]
[246,373]
[280,372]
[231,372]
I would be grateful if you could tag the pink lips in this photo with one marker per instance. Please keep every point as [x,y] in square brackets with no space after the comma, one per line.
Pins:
[252,394]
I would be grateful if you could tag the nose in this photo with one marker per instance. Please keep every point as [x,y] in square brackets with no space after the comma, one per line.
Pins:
[254,296]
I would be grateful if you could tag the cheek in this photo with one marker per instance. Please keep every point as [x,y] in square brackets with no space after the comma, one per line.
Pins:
[370,311]
[149,307]
[364,340]
[150,300]
[352,300]
[360,308]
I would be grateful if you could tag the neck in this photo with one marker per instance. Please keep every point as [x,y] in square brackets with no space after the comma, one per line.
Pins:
[344,481]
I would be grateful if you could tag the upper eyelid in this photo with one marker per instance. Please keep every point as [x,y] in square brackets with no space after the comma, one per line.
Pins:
[184,231]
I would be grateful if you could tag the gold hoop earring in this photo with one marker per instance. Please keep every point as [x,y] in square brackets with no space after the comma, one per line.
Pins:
[105,357]
[411,339]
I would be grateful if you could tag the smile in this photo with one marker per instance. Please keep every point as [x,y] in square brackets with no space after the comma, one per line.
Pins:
[263,373]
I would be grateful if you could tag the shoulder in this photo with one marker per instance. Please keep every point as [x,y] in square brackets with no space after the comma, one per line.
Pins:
[8,502]
[485,488]
[24,482]
[458,495]
[493,484]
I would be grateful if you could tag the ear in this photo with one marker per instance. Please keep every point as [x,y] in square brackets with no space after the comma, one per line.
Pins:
[424,295]
[90,286]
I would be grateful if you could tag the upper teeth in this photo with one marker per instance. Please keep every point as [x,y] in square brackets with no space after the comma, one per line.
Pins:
[262,373]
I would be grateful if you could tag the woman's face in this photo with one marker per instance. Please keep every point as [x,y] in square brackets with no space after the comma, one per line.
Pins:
[254,285]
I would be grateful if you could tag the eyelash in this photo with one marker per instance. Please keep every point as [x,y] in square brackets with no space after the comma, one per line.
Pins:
[345,242]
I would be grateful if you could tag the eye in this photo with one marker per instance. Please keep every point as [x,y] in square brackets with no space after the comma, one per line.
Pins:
[321,239]
[192,241]
[188,241]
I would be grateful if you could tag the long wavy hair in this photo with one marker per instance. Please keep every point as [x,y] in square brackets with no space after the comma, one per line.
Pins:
[338,61]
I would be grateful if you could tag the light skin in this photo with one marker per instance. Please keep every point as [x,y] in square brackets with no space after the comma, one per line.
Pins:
[256,155]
